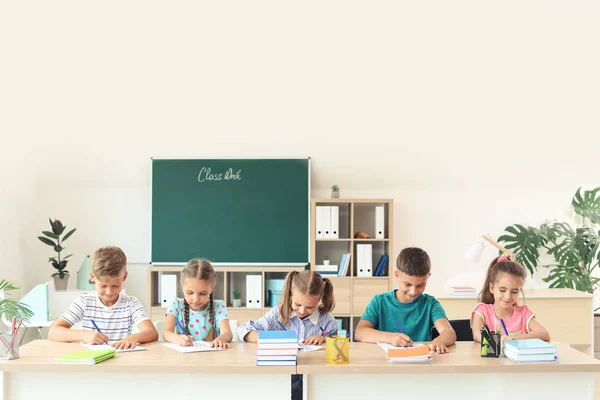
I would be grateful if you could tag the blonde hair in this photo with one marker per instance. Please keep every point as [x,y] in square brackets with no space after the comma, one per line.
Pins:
[309,283]
[199,268]
[109,261]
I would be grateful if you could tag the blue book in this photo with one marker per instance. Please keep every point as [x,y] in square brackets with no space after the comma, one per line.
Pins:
[341,268]
[529,346]
[378,267]
[381,265]
[277,337]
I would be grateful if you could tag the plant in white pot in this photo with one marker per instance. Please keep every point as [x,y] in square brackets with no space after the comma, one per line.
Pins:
[237,300]
[53,239]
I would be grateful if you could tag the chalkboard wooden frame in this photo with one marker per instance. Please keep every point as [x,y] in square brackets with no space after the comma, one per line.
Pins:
[232,211]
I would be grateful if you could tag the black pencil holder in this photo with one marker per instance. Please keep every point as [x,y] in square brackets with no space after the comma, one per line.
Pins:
[490,349]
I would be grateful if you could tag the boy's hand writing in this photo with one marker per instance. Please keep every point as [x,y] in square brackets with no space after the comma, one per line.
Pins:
[400,339]
[184,340]
[220,343]
[439,348]
[314,340]
[95,337]
[127,343]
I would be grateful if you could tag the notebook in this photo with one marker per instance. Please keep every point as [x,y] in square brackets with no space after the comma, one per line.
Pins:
[530,358]
[308,347]
[197,346]
[108,347]
[529,346]
[417,353]
[86,357]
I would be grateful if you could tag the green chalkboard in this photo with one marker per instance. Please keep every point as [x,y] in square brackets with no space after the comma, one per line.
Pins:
[231,210]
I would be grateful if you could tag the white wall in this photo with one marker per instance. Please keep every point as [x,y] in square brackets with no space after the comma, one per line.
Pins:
[471,115]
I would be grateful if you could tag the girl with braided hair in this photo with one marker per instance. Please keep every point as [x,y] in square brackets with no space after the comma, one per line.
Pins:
[203,317]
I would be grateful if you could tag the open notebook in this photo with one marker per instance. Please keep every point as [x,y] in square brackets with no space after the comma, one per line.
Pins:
[417,353]
[197,346]
[108,347]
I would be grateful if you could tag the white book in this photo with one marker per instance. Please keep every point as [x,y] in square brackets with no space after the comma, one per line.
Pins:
[196,347]
[319,222]
[379,222]
[335,216]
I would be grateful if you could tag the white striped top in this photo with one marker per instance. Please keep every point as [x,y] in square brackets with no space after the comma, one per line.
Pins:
[115,321]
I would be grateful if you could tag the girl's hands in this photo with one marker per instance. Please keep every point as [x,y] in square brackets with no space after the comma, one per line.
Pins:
[184,340]
[220,344]
[314,340]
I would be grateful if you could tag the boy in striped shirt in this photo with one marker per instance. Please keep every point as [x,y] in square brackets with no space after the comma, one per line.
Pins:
[106,314]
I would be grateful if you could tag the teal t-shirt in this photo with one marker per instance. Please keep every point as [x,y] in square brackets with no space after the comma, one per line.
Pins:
[416,318]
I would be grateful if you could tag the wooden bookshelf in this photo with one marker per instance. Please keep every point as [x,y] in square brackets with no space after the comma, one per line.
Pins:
[353,293]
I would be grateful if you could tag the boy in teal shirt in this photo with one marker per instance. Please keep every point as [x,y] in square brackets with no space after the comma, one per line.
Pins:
[406,314]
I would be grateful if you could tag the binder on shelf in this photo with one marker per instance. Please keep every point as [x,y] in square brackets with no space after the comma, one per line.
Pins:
[380,269]
[253,291]
[335,222]
[319,222]
[364,260]
[326,222]
[379,222]
[168,289]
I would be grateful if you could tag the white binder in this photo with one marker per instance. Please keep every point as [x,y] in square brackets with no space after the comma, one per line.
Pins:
[335,222]
[319,222]
[364,260]
[168,289]
[326,222]
[253,291]
[379,222]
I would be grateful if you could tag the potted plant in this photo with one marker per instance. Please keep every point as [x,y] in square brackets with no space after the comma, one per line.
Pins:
[237,300]
[576,250]
[326,260]
[335,192]
[10,308]
[53,239]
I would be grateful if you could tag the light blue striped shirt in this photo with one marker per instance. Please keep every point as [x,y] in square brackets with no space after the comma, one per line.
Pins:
[304,328]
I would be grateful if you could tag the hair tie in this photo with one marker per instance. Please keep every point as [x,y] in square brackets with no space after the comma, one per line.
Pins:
[503,258]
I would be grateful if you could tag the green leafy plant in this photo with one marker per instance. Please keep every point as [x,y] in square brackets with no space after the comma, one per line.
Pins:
[335,188]
[576,251]
[53,239]
[236,295]
[10,308]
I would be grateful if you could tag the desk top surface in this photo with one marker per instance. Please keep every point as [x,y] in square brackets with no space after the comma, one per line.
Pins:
[365,358]
[463,358]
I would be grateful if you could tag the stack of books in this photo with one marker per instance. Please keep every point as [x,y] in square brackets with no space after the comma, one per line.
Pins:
[86,357]
[277,348]
[462,291]
[327,269]
[418,353]
[529,351]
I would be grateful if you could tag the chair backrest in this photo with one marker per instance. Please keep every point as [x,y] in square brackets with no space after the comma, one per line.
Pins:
[159,324]
[462,327]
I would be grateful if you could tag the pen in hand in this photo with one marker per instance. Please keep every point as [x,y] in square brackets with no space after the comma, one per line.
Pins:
[95,326]
[281,326]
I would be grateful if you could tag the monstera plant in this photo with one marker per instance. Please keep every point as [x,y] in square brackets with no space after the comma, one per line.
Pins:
[576,250]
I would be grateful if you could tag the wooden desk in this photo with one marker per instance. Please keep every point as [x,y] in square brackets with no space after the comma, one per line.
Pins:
[156,373]
[461,374]
[568,314]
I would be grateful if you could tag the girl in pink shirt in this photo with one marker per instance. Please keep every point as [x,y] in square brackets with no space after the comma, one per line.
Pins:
[499,296]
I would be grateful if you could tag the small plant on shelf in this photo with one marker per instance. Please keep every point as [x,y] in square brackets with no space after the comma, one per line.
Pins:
[326,260]
[237,300]
[335,191]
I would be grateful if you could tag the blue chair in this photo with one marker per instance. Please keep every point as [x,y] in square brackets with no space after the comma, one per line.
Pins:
[462,327]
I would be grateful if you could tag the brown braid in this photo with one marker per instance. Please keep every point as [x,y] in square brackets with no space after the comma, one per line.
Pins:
[186,316]
[212,334]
